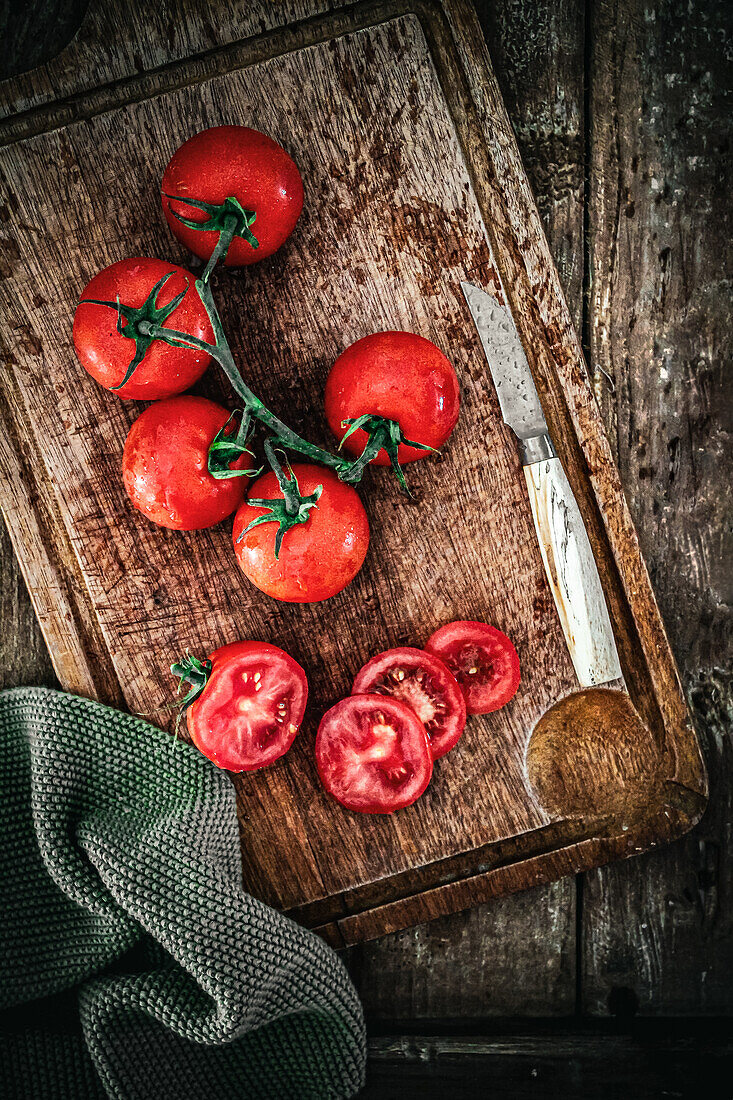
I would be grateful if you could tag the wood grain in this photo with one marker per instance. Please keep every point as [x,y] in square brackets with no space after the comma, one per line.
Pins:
[514,955]
[412,227]
[658,936]
[499,955]
[552,1065]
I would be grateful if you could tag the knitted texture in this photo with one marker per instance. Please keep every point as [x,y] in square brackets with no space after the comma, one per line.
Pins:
[144,970]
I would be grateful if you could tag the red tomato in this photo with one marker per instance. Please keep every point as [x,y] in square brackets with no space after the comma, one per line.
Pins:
[482,659]
[165,465]
[425,684]
[234,162]
[401,377]
[373,754]
[317,558]
[251,708]
[105,354]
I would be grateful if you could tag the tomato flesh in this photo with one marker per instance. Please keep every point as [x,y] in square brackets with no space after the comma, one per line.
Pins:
[317,558]
[373,754]
[234,162]
[165,465]
[402,377]
[250,711]
[106,354]
[424,683]
[483,661]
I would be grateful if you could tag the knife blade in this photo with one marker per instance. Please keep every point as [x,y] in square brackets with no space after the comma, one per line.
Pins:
[564,545]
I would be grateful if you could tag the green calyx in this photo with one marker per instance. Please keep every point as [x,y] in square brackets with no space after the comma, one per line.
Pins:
[289,511]
[383,435]
[193,672]
[229,446]
[138,321]
[229,219]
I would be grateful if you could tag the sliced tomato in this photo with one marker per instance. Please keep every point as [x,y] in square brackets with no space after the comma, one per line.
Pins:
[425,684]
[483,661]
[251,707]
[373,754]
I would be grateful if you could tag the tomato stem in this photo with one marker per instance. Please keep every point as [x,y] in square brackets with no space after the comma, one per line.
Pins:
[253,407]
[140,322]
[229,219]
[383,434]
[226,236]
[292,510]
[190,670]
[227,447]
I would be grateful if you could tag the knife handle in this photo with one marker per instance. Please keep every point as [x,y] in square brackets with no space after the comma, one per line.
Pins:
[572,573]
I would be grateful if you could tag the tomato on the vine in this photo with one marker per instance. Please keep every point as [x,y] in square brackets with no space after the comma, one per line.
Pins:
[165,465]
[106,353]
[233,162]
[251,708]
[483,661]
[398,376]
[373,754]
[425,684]
[319,556]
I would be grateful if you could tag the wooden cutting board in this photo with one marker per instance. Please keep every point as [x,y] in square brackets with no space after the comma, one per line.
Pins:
[413,183]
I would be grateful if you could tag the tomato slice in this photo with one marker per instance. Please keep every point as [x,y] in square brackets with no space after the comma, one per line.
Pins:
[483,661]
[373,754]
[251,708]
[425,684]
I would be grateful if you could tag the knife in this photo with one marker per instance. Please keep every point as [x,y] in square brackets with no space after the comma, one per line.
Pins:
[566,551]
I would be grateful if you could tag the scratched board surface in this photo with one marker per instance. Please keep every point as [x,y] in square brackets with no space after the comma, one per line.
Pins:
[389,229]
[391,226]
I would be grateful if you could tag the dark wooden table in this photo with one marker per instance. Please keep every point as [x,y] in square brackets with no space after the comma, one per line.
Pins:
[617,982]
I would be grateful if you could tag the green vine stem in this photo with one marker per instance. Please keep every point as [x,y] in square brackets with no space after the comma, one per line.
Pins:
[382,433]
[193,672]
[138,322]
[228,218]
[292,510]
[253,407]
[226,448]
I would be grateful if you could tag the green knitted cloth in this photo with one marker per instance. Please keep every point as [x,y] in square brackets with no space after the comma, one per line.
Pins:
[132,964]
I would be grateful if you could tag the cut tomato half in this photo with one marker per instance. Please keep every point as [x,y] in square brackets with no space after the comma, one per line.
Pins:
[373,754]
[483,661]
[251,708]
[425,684]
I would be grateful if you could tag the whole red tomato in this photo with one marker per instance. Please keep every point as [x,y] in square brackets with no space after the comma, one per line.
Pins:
[317,558]
[251,707]
[401,377]
[233,162]
[165,465]
[106,354]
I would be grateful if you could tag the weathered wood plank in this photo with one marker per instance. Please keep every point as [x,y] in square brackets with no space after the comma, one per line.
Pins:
[118,39]
[24,657]
[552,1066]
[516,955]
[658,932]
